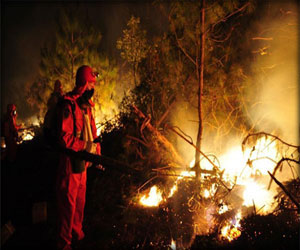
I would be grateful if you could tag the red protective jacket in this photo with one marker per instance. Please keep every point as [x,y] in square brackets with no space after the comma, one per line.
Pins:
[10,132]
[71,187]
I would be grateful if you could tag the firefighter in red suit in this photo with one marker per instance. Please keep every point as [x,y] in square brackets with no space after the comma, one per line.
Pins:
[77,132]
[11,132]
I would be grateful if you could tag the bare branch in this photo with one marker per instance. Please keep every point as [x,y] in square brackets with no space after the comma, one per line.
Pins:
[224,19]
[176,132]
[274,136]
[279,164]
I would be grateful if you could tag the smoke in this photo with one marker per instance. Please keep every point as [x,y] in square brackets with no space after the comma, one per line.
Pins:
[276,79]
[276,76]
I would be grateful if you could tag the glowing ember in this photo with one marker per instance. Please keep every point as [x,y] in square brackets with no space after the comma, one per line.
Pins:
[152,199]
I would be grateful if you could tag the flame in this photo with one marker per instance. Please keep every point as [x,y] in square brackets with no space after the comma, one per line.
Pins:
[224,208]
[173,245]
[173,190]
[231,229]
[206,193]
[99,130]
[230,232]
[186,174]
[258,195]
[27,137]
[153,199]
[248,169]
[266,155]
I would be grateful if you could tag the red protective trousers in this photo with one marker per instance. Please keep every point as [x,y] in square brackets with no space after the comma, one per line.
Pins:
[71,202]
[71,187]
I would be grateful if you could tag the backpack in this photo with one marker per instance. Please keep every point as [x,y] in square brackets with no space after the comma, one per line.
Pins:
[51,128]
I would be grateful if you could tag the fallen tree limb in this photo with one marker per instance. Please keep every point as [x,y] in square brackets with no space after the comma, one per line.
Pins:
[162,139]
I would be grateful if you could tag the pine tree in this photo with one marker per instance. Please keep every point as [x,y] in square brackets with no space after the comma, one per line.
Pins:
[133,45]
[76,42]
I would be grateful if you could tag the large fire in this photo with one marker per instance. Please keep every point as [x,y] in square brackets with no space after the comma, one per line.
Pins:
[248,170]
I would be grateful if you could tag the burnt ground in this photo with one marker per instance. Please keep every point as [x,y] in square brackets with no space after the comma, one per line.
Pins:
[31,180]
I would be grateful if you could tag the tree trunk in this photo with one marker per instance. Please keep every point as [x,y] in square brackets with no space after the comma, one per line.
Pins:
[200,89]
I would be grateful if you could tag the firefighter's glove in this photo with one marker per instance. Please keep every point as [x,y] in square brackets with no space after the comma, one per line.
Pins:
[91,147]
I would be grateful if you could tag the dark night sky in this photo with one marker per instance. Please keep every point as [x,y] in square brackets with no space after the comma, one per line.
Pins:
[27,25]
